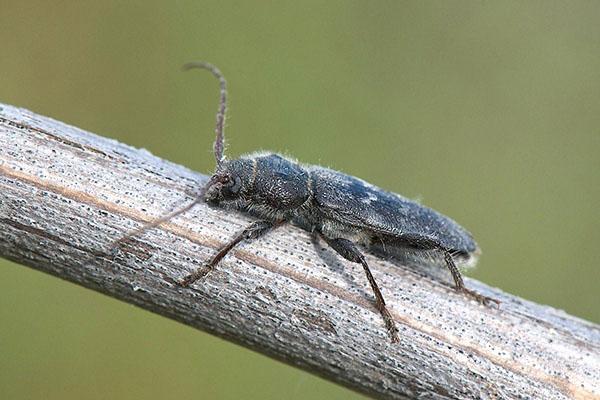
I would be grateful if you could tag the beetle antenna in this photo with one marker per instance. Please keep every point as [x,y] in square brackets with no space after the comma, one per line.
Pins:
[218,146]
[153,224]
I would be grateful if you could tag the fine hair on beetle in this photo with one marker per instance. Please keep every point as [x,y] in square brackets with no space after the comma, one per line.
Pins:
[346,212]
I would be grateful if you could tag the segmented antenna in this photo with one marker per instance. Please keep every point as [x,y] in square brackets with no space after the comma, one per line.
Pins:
[218,148]
[219,145]
[142,229]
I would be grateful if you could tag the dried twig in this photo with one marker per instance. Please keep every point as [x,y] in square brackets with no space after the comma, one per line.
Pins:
[65,194]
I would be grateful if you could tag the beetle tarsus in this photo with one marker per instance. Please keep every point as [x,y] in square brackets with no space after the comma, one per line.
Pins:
[187,280]
[485,300]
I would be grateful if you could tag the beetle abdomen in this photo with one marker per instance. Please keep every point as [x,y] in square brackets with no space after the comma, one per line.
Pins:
[353,202]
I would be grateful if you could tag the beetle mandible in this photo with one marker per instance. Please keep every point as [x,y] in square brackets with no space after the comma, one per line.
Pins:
[343,210]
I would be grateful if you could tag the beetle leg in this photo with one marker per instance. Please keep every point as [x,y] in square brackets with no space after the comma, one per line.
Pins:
[350,252]
[427,243]
[252,231]
[460,284]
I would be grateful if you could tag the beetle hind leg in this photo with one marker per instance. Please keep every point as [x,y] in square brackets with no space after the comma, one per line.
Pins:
[426,243]
[350,252]
[460,284]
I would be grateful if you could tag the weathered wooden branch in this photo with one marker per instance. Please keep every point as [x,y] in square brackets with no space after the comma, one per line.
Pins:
[66,194]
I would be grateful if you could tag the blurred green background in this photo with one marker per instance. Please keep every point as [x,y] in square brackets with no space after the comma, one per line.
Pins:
[487,111]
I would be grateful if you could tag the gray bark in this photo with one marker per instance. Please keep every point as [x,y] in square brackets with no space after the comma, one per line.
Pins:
[66,194]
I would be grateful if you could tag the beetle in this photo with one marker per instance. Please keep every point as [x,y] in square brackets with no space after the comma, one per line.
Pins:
[346,212]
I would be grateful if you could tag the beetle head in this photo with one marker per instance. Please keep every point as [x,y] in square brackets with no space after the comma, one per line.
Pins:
[227,184]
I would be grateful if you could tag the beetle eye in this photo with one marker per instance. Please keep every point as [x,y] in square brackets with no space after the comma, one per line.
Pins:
[236,184]
[225,180]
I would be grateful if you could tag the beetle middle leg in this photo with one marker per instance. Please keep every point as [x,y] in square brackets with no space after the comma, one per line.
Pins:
[252,231]
[350,252]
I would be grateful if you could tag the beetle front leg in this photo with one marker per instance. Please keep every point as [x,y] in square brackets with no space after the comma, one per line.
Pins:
[350,252]
[252,231]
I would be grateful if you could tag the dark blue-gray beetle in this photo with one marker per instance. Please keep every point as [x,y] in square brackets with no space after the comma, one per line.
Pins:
[341,209]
